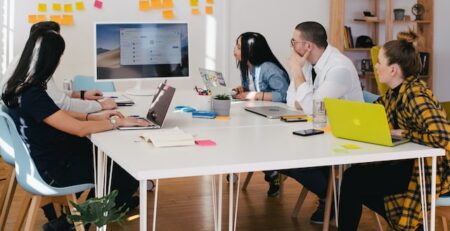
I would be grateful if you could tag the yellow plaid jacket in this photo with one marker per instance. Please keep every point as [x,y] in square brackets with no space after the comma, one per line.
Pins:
[425,122]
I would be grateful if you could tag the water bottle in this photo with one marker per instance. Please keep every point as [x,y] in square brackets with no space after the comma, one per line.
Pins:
[319,114]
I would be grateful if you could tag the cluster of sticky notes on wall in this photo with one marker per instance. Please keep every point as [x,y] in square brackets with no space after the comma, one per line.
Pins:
[195,9]
[166,7]
[61,13]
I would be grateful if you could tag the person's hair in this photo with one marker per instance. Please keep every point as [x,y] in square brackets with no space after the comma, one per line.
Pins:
[36,66]
[46,25]
[255,50]
[313,32]
[404,53]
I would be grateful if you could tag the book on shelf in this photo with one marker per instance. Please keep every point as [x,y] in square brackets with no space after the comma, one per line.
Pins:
[348,37]
[173,137]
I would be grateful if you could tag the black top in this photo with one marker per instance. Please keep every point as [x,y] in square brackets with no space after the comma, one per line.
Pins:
[47,145]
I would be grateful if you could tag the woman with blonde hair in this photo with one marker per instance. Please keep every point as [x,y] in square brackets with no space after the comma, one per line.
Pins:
[392,188]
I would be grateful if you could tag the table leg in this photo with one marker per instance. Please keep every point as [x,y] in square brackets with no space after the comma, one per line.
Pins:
[219,207]
[230,202]
[214,200]
[328,200]
[143,204]
[433,193]
[423,194]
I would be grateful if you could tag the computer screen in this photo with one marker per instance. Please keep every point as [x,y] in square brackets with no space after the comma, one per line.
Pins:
[126,51]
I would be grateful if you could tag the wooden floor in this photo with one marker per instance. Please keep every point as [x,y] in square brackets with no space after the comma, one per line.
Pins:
[186,204]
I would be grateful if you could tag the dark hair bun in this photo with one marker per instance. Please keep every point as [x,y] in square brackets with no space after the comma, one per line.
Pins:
[408,36]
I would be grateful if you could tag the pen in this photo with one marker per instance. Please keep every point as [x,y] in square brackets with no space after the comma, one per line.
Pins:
[113,97]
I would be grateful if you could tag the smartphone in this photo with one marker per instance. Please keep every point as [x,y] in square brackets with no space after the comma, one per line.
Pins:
[293,119]
[307,132]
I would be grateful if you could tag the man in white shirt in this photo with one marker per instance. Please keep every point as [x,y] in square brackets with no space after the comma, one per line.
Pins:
[79,101]
[336,76]
[317,70]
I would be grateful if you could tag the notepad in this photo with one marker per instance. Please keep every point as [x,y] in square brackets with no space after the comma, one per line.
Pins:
[174,137]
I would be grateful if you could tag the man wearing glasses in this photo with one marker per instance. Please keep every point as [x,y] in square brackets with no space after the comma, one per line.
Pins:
[317,70]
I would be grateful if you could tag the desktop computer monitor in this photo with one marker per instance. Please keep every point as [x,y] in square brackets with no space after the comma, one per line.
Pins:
[138,51]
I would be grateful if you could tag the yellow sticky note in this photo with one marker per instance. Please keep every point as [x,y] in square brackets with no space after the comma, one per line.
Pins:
[194,2]
[79,5]
[350,146]
[41,18]
[210,1]
[208,10]
[167,4]
[32,19]
[56,7]
[156,4]
[168,14]
[42,7]
[67,20]
[144,5]
[223,118]
[68,8]
[55,18]
[195,11]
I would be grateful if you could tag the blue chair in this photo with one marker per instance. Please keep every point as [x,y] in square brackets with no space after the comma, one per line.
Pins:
[369,97]
[81,82]
[28,177]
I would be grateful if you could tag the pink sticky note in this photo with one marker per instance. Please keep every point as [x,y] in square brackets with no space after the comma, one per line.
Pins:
[98,4]
[205,143]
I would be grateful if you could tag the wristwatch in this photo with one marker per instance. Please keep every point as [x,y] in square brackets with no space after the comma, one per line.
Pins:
[113,121]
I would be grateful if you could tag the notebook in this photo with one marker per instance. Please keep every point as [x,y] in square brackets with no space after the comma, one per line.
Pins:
[169,138]
[158,108]
[214,82]
[360,121]
[273,112]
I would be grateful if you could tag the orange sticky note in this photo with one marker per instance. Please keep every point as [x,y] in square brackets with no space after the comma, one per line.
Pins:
[144,5]
[41,18]
[32,19]
[156,4]
[210,1]
[68,8]
[194,2]
[223,118]
[168,14]
[56,7]
[79,5]
[208,10]
[167,4]
[195,11]
[67,20]
[55,18]
[326,129]
[42,7]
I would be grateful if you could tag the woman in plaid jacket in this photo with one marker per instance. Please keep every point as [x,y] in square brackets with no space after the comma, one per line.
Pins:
[392,188]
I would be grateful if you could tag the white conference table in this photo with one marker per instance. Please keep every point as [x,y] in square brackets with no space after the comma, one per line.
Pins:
[245,143]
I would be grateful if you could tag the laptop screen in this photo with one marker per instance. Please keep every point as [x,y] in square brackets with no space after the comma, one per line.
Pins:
[212,79]
[160,104]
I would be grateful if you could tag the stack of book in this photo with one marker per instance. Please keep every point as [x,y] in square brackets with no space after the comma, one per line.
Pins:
[348,37]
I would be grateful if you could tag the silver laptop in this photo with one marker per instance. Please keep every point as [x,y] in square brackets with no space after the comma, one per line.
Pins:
[158,108]
[273,112]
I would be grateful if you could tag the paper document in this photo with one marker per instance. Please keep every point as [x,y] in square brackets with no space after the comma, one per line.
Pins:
[168,138]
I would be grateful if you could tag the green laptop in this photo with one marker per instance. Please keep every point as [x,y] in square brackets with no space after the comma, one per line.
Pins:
[365,122]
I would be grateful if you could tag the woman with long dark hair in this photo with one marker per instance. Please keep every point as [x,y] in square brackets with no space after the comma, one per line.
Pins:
[262,75]
[392,189]
[56,138]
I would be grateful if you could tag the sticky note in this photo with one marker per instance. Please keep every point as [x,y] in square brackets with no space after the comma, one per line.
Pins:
[41,18]
[195,11]
[68,8]
[144,5]
[55,18]
[98,4]
[210,1]
[350,146]
[56,7]
[208,10]
[79,5]
[42,7]
[67,20]
[194,2]
[339,150]
[32,19]
[167,4]
[223,118]
[326,129]
[156,4]
[168,14]
[205,143]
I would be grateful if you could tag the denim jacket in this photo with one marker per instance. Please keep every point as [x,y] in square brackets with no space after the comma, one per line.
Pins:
[269,78]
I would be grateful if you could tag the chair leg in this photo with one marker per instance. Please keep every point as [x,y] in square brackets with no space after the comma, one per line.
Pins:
[78,225]
[32,212]
[22,212]
[300,200]
[377,218]
[444,223]
[247,180]
[10,188]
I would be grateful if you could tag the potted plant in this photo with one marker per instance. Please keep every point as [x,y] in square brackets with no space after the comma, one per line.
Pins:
[221,104]
[99,211]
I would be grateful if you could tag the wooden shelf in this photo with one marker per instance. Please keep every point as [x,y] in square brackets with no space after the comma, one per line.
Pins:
[412,21]
[362,20]
[357,49]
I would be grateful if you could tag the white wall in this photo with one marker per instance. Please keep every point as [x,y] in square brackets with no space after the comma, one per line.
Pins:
[274,19]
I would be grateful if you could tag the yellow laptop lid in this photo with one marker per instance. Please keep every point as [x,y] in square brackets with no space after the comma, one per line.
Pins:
[358,121]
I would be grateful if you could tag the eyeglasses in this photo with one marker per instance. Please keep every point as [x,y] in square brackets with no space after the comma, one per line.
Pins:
[293,42]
